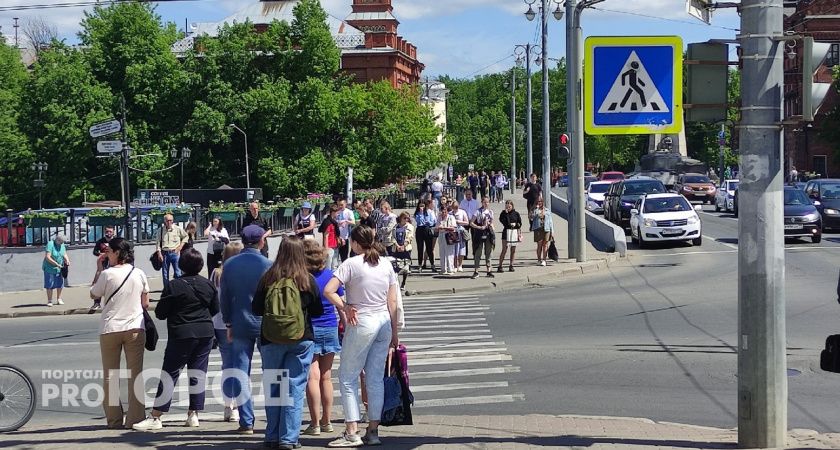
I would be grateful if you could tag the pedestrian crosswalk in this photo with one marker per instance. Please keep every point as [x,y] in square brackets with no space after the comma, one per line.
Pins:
[454,360]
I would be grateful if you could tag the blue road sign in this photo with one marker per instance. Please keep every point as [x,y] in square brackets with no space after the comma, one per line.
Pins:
[633,85]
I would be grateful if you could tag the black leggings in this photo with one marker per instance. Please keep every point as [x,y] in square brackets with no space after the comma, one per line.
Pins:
[425,241]
[193,353]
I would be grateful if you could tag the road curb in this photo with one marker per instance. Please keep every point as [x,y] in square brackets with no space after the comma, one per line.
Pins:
[526,281]
[55,312]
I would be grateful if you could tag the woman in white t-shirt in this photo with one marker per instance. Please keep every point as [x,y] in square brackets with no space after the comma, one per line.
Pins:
[124,290]
[217,239]
[370,286]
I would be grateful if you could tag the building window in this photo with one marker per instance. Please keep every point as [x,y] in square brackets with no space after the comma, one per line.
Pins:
[833,57]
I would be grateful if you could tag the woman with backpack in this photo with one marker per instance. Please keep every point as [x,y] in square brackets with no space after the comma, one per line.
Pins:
[188,305]
[372,328]
[287,298]
[125,293]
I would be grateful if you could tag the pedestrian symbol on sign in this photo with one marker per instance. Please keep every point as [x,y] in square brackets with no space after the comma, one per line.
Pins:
[633,91]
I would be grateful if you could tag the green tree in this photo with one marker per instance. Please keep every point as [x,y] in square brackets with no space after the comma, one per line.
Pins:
[15,151]
[63,99]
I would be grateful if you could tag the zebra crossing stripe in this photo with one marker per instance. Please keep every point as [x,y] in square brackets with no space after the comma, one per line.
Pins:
[457,401]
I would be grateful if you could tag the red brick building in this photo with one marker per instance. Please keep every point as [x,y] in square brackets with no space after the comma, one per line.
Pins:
[385,54]
[804,148]
[371,48]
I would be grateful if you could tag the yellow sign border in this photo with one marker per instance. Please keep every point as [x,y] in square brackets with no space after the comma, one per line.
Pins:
[592,42]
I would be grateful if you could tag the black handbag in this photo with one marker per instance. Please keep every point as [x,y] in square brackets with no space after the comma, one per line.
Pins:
[830,356]
[65,270]
[552,252]
[151,331]
[156,263]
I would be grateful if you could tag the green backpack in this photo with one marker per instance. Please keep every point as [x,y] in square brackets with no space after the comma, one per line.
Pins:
[283,321]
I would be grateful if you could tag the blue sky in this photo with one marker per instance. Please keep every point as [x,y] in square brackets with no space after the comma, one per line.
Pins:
[460,38]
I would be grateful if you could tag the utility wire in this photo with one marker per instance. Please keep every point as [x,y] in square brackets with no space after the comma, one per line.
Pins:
[489,66]
[661,18]
[76,4]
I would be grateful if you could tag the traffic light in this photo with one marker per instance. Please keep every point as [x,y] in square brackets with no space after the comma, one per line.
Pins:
[563,151]
[813,93]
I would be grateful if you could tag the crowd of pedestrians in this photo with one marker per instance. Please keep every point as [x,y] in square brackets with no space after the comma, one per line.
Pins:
[293,309]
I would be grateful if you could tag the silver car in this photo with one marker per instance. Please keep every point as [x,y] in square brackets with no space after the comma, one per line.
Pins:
[725,196]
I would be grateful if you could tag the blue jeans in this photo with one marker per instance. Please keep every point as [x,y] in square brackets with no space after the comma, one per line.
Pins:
[170,258]
[225,348]
[365,346]
[241,353]
[283,419]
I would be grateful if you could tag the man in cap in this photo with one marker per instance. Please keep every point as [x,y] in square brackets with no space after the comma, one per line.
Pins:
[239,282]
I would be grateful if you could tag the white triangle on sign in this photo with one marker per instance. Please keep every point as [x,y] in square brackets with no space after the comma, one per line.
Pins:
[633,91]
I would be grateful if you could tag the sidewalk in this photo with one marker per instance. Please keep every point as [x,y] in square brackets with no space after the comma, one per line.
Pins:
[528,273]
[428,432]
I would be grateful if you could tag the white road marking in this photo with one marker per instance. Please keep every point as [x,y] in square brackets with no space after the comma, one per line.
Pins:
[456,401]
[464,372]
[458,360]
[718,216]
[733,246]
[438,332]
[659,255]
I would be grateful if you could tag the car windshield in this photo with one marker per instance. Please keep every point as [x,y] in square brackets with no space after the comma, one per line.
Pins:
[733,185]
[598,188]
[830,190]
[666,204]
[796,197]
[696,179]
[644,187]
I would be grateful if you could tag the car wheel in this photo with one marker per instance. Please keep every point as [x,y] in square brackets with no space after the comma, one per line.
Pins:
[816,238]
[642,243]
[697,241]
[717,207]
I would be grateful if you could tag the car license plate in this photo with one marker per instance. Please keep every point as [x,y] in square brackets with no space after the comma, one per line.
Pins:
[794,227]
[672,231]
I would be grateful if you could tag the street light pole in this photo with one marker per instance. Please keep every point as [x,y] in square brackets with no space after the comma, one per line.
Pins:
[558,14]
[184,155]
[40,167]
[513,126]
[529,145]
[574,119]
[247,164]
[762,381]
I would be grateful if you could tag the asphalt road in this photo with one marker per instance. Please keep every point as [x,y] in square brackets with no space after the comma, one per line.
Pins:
[653,336]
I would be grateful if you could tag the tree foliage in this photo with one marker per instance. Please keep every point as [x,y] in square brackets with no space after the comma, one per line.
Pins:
[305,124]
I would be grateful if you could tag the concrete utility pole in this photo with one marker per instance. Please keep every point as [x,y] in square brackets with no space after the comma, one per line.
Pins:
[546,122]
[126,181]
[513,127]
[527,50]
[762,381]
[574,118]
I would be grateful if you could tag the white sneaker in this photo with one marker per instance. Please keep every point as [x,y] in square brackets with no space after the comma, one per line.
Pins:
[148,424]
[346,440]
[461,269]
[542,263]
[192,420]
[49,304]
[60,302]
[231,414]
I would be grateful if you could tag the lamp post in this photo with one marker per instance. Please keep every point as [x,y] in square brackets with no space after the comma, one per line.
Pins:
[247,165]
[39,167]
[530,15]
[185,154]
[527,52]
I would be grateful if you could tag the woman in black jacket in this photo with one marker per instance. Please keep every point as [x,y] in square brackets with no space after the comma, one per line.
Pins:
[511,235]
[188,305]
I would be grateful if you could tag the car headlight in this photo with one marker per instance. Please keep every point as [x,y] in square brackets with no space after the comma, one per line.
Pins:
[693,220]
[627,203]
[650,223]
[813,217]
[832,212]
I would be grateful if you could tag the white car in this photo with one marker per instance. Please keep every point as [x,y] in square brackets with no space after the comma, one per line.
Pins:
[595,196]
[725,196]
[665,217]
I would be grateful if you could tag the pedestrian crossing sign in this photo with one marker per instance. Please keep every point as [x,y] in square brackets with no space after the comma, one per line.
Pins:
[633,85]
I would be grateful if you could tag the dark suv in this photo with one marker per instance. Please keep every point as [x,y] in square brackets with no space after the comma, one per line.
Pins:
[619,200]
[825,193]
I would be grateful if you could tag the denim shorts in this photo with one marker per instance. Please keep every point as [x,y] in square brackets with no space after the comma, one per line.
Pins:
[326,340]
[53,281]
